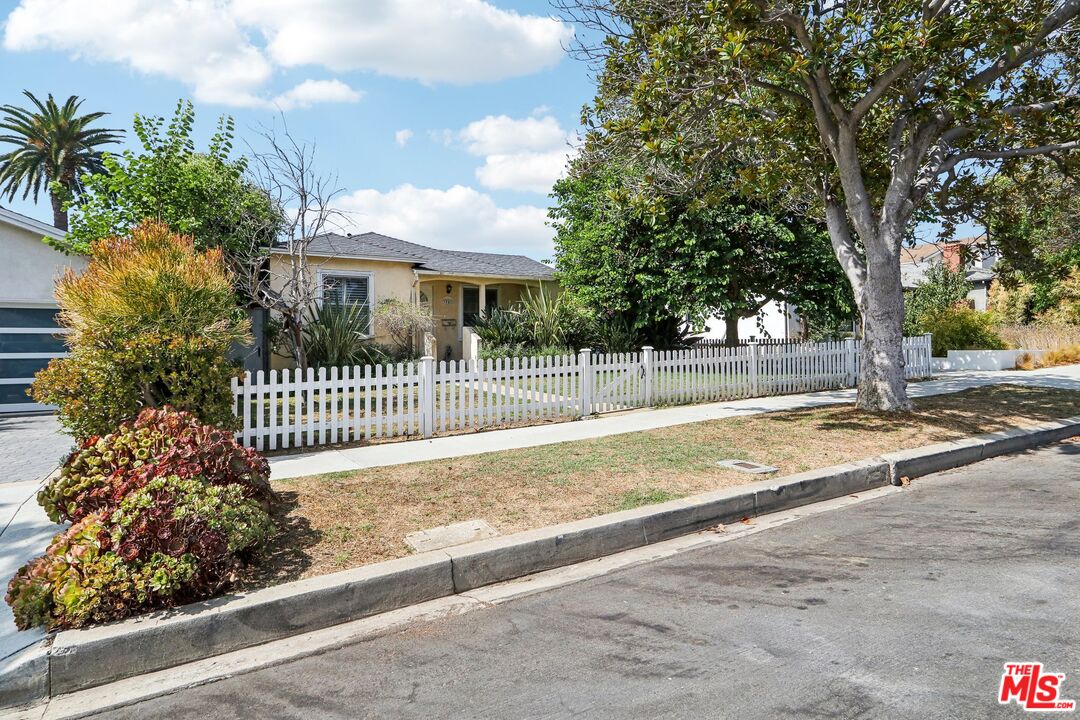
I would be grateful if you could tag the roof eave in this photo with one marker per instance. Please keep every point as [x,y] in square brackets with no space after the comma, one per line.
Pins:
[30,224]
[501,276]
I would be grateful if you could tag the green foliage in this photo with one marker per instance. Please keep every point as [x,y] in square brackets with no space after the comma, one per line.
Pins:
[961,328]
[542,323]
[337,335]
[171,541]
[403,321]
[502,327]
[555,320]
[158,443]
[687,257]
[151,322]
[941,288]
[203,194]
[55,147]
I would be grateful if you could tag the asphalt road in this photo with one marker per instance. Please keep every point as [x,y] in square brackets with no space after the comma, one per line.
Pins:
[905,606]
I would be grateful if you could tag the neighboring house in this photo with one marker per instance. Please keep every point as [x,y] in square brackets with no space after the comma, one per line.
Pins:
[979,263]
[28,329]
[457,285]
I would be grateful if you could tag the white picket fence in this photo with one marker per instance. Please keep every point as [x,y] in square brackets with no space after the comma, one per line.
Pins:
[288,409]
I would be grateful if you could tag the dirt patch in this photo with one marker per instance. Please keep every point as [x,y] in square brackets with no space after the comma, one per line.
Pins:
[342,520]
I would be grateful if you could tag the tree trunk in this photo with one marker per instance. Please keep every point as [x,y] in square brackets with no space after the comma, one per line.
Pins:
[882,385]
[60,216]
[731,329]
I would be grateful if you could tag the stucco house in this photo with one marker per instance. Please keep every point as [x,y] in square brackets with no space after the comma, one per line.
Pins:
[457,285]
[28,329]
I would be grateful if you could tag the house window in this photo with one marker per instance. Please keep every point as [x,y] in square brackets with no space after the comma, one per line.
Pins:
[350,290]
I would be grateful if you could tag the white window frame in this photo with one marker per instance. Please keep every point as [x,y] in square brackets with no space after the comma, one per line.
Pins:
[323,274]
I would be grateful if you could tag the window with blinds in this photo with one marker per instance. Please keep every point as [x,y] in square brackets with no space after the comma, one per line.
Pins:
[349,290]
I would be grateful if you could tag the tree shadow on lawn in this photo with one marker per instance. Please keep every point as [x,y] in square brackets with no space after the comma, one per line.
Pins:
[286,556]
[978,410]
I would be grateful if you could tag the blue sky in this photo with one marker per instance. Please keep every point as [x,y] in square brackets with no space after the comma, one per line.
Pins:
[445,121]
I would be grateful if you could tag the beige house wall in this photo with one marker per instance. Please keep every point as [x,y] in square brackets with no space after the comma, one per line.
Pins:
[399,280]
[388,280]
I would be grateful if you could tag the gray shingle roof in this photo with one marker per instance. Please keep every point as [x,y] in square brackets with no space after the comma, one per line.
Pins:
[374,246]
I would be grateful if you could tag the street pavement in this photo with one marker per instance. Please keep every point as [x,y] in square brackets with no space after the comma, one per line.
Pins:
[904,606]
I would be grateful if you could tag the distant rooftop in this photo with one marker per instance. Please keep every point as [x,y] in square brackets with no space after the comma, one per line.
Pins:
[375,246]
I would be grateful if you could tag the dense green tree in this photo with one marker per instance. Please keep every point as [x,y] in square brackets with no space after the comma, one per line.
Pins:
[687,259]
[866,115]
[55,148]
[205,194]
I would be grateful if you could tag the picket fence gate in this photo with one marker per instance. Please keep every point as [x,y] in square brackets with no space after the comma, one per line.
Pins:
[290,409]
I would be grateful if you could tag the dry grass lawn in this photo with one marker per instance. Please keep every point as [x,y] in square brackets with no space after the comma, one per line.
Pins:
[341,520]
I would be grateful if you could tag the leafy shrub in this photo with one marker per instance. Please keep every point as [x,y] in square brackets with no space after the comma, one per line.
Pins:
[512,351]
[403,322]
[158,443]
[941,288]
[151,322]
[171,541]
[961,328]
[502,327]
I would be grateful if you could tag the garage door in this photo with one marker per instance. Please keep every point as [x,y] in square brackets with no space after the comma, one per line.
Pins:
[29,338]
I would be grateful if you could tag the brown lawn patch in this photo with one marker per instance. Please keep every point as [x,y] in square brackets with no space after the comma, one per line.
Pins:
[341,520]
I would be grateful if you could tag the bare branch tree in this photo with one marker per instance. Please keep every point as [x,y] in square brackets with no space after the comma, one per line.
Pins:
[280,278]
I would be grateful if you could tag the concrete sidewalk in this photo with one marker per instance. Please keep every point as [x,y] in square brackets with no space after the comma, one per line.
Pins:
[397,453]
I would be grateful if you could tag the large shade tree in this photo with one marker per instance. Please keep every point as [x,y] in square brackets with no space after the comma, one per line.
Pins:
[684,259]
[54,148]
[866,114]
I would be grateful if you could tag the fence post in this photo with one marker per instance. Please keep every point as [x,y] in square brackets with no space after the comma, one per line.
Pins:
[647,371]
[427,395]
[585,367]
[755,359]
[928,356]
[849,362]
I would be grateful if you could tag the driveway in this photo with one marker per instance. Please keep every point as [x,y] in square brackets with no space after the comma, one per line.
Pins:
[905,606]
[31,447]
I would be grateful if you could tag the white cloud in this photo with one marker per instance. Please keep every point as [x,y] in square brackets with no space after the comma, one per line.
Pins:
[227,51]
[501,135]
[451,41]
[310,92]
[527,155]
[526,171]
[401,137]
[458,218]
[197,42]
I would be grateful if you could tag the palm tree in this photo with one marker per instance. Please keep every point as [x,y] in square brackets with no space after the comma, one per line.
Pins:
[54,144]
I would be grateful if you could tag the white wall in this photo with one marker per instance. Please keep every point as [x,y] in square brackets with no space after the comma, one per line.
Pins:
[29,268]
[781,321]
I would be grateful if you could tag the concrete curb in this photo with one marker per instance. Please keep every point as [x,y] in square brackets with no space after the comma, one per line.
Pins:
[80,659]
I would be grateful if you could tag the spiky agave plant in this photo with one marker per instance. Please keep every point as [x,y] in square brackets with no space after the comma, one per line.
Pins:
[338,334]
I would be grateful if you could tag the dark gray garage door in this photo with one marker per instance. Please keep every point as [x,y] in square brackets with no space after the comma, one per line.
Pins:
[29,338]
